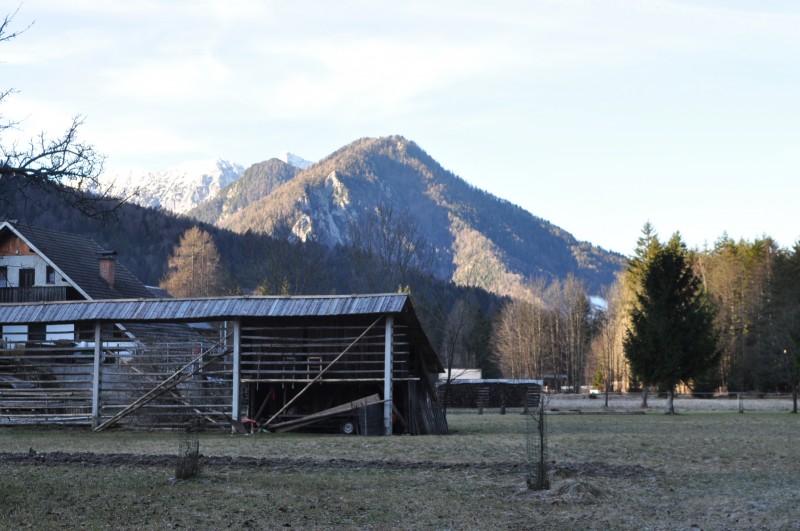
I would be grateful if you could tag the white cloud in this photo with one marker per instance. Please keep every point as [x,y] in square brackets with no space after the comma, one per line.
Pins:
[368,76]
[32,117]
[561,90]
[168,80]
[142,142]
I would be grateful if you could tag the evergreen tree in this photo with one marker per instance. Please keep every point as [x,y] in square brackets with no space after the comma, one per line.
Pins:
[672,337]
[647,246]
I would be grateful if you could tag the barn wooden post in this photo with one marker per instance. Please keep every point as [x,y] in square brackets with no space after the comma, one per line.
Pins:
[387,376]
[237,351]
[98,349]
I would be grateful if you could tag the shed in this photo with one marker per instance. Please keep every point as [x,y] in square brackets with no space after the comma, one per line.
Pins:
[267,361]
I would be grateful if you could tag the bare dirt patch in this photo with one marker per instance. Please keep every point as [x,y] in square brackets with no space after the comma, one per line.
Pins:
[91,459]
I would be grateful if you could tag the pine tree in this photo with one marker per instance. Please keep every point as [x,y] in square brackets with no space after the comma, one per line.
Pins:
[647,246]
[672,338]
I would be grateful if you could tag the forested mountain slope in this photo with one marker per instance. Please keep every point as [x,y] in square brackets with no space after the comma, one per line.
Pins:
[479,239]
[257,181]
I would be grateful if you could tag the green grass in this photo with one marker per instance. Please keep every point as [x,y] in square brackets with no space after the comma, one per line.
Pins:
[714,470]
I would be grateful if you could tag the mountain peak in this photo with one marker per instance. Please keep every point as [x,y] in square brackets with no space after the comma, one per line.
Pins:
[479,239]
[178,188]
[294,160]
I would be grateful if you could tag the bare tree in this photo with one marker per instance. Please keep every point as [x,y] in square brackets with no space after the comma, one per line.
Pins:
[522,336]
[61,167]
[607,343]
[388,248]
[546,335]
[282,266]
[574,312]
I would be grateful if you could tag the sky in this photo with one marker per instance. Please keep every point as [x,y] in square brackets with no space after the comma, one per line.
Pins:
[597,116]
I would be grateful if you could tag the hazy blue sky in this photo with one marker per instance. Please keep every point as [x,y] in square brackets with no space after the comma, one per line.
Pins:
[595,115]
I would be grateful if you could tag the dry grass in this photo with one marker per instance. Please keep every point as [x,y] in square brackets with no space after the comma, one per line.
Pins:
[711,470]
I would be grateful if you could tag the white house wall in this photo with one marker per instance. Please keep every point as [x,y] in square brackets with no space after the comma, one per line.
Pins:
[15,263]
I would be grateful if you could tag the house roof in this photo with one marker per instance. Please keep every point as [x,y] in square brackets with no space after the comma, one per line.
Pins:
[75,257]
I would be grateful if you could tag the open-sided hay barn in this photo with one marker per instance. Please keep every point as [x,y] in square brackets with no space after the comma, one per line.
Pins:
[249,362]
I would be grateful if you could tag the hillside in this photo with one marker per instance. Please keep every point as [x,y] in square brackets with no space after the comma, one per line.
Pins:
[257,181]
[479,239]
[144,238]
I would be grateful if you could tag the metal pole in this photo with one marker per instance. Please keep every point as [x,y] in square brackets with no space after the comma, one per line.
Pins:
[96,376]
[387,376]
[237,351]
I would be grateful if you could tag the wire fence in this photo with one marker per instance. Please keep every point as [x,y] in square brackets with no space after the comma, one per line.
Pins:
[732,402]
[632,402]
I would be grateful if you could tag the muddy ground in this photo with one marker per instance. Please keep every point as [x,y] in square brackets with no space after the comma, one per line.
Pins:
[90,459]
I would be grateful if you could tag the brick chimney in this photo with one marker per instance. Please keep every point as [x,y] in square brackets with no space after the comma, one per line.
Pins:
[108,266]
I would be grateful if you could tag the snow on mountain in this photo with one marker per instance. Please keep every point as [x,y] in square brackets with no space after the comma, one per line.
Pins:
[294,160]
[178,188]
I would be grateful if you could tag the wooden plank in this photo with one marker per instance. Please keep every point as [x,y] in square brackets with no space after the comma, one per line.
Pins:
[324,414]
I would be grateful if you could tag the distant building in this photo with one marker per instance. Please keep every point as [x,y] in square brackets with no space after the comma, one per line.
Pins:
[462,374]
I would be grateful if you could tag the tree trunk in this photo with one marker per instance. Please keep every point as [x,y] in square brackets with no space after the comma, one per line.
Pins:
[606,382]
[644,397]
[794,399]
[670,401]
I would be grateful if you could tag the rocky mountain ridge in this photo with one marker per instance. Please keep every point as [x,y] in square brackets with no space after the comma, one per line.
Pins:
[477,238]
[178,189]
[183,187]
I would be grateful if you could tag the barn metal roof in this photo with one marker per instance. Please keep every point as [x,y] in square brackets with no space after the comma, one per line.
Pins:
[201,309]
[204,310]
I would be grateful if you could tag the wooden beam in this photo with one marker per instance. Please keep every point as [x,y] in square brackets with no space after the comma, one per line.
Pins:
[96,375]
[237,356]
[387,375]
[319,376]
[173,380]
[324,414]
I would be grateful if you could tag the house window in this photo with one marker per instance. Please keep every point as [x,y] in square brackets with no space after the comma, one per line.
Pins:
[3,277]
[51,275]
[27,277]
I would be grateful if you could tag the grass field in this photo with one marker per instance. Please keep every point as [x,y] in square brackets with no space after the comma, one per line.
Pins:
[713,470]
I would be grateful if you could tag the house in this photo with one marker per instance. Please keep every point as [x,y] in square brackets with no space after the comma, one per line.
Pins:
[38,265]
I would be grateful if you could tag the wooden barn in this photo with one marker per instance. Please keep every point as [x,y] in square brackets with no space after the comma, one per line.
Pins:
[358,363]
